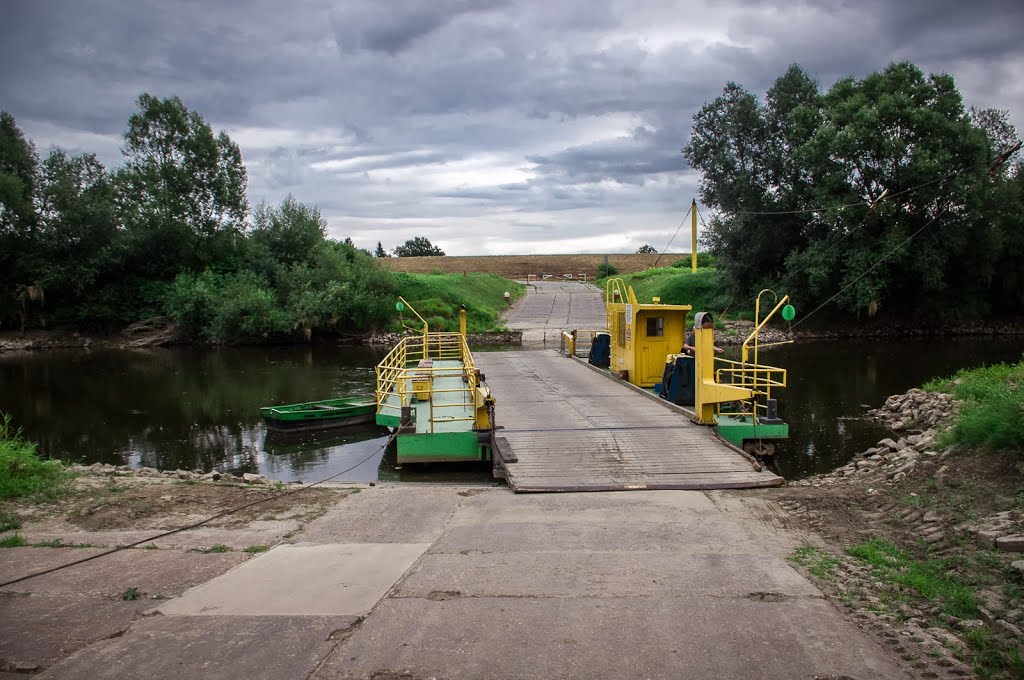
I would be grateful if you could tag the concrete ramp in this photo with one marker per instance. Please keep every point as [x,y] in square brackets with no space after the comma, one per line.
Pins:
[568,428]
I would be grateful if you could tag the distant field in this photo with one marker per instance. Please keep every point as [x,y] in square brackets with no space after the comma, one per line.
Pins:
[516,266]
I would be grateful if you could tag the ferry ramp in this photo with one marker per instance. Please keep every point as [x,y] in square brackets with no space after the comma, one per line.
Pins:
[566,427]
[550,306]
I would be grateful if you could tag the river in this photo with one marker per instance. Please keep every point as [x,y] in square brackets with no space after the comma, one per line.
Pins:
[191,408]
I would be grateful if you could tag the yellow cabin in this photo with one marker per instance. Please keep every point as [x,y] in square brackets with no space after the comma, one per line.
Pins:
[642,335]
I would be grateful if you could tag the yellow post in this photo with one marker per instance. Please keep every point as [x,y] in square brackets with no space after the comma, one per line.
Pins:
[462,321]
[707,392]
[693,234]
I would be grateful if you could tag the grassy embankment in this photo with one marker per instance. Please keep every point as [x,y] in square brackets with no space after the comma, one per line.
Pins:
[437,297]
[678,285]
[992,415]
[948,586]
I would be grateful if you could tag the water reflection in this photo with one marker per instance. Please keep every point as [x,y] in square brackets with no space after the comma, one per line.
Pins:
[199,409]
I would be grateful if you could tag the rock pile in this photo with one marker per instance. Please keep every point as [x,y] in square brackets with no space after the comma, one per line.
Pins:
[915,409]
[183,475]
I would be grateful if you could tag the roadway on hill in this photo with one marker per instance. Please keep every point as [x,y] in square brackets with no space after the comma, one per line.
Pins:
[551,306]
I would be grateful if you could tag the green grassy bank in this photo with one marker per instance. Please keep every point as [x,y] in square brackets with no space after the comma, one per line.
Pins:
[438,297]
[22,472]
[681,286]
[992,415]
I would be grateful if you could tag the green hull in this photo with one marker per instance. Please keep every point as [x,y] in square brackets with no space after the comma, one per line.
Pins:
[738,431]
[319,415]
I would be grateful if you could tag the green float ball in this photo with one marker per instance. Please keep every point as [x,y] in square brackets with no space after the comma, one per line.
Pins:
[788,312]
[399,306]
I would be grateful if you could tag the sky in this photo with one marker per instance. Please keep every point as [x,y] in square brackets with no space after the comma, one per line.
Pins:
[488,126]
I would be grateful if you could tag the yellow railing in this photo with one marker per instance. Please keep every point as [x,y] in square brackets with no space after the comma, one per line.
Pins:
[401,376]
[759,379]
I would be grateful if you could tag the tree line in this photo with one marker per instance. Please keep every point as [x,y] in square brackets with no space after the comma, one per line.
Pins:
[170,232]
[880,196]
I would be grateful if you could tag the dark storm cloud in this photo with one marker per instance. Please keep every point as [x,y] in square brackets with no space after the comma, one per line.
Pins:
[542,121]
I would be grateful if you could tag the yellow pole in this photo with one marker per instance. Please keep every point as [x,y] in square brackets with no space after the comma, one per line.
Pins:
[426,329]
[704,373]
[693,234]
[462,321]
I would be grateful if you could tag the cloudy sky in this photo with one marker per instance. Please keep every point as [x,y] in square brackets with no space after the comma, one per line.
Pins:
[488,126]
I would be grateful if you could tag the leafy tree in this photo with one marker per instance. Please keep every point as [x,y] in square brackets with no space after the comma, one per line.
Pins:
[181,191]
[417,247]
[19,255]
[820,193]
[289,233]
[646,250]
[380,252]
[78,231]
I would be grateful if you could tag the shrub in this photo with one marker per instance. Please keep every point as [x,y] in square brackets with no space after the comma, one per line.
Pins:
[22,473]
[606,269]
[992,415]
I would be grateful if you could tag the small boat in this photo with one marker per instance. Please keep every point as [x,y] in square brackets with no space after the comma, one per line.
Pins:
[320,415]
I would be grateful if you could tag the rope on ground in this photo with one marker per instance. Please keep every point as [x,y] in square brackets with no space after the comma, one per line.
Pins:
[200,523]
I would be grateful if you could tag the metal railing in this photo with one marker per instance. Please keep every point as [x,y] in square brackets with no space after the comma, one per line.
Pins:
[408,371]
[759,379]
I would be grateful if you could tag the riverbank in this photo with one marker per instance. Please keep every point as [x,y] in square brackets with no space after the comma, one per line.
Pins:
[921,543]
[12,341]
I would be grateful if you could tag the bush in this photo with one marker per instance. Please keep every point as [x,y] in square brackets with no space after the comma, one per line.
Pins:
[606,269]
[22,473]
[992,415]
[704,260]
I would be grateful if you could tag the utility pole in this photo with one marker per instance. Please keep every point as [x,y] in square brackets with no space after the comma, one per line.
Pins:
[693,230]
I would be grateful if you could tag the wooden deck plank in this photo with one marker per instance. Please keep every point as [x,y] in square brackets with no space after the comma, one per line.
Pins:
[572,429]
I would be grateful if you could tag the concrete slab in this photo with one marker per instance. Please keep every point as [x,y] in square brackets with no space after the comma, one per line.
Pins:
[36,631]
[256,533]
[687,536]
[211,648]
[499,506]
[608,638]
[386,514]
[603,574]
[166,572]
[303,579]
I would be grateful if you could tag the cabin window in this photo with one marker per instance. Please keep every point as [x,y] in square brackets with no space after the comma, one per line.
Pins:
[655,326]
[622,329]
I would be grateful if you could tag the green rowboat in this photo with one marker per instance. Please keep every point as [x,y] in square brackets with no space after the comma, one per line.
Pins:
[320,415]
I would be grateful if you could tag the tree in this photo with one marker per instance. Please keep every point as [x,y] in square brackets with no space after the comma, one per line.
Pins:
[181,191]
[417,247]
[288,233]
[78,232]
[646,250]
[380,252]
[19,255]
[819,194]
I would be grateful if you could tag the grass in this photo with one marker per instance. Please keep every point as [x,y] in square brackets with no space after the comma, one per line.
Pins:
[676,286]
[437,298]
[991,658]
[255,549]
[8,521]
[130,594]
[219,548]
[12,541]
[22,472]
[992,415]
[927,579]
[817,562]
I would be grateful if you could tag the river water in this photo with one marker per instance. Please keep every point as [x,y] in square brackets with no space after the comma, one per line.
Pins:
[189,408]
